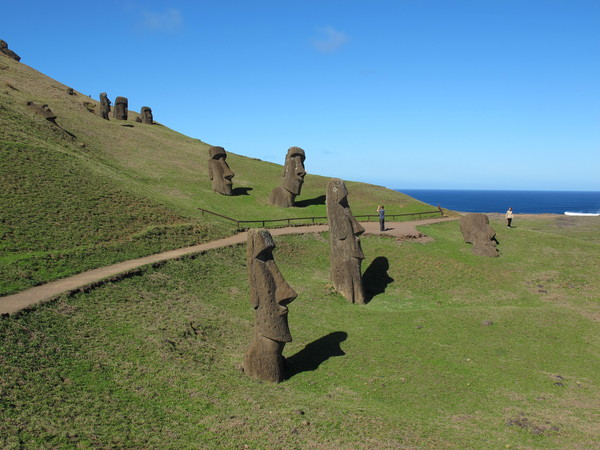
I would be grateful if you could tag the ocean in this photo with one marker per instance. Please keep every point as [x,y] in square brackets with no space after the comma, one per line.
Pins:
[522,202]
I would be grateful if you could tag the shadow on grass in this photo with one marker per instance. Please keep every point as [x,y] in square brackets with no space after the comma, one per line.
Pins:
[241,191]
[315,353]
[320,200]
[376,278]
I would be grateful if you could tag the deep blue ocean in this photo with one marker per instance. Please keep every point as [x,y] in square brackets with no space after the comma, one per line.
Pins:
[522,202]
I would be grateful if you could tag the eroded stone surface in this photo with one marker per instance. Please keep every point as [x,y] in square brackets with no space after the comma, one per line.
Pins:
[292,181]
[219,171]
[476,230]
[346,253]
[269,296]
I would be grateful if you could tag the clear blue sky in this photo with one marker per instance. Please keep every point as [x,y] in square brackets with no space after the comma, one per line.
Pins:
[474,94]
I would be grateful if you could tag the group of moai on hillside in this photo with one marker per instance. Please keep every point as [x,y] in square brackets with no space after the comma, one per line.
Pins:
[283,196]
[270,293]
[120,110]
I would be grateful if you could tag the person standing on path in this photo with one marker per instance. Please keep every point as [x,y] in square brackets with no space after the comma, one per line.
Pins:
[381,211]
[509,217]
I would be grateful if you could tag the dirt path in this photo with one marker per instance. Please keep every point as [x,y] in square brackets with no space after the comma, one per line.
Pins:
[11,304]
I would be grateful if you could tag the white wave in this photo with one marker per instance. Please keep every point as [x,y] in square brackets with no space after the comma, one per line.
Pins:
[569,213]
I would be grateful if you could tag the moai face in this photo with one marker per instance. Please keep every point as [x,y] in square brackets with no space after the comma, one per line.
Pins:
[293,172]
[104,105]
[476,230]
[346,252]
[269,292]
[146,115]
[121,108]
[219,171]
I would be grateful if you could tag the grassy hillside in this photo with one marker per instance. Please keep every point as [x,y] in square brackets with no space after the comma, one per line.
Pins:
[86,192]
[452,351]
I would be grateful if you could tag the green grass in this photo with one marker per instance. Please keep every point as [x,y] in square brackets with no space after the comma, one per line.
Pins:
[457,351]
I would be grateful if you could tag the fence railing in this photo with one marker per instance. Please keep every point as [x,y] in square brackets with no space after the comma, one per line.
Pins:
[314,220]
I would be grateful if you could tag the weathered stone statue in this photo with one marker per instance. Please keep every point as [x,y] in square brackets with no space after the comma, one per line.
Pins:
[104,105]
[346,254]
[8,52]
[219,171]
[269,295]
[293,178]
[476,230]
[121,110]
[146,115]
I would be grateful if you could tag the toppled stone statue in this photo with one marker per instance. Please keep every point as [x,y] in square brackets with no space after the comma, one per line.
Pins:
[346,253]
[121,110]
[43,111]
[293,178]
[219,171]
[8,52]
[269,295]
[104,106]
[146,115]
[476,230]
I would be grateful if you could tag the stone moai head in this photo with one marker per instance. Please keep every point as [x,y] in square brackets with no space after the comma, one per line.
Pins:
[476,230]
[121,110]
[346,253]
[104,105]
[293,179]
[269,296]
[146,115]
[8,52]
[219,171]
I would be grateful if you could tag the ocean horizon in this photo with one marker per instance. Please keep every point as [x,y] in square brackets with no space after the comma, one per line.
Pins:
[522,201]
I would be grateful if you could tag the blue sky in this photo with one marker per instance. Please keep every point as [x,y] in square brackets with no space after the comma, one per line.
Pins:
[473,94]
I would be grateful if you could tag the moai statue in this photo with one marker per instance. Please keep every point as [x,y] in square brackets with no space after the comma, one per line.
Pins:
[104,105]
[346,254]
[146,115]
[293,178]
[476,230]
[120,110]
[8,52]
[219,171]
[269,295]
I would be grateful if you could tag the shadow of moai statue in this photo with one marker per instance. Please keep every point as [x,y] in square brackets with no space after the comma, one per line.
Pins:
[8,52]
[269,295]
[346,254]
[476,230]
[146,115]
[219,171]
[293,178]
[120,109]
[104,105]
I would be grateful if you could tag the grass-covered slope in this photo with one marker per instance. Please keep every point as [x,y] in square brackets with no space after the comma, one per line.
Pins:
[452,351]
[86,192]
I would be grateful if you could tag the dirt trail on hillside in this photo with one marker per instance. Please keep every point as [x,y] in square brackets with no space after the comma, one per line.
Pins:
[11,304]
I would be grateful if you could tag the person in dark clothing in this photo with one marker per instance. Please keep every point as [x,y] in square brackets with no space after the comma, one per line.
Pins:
[381,211]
